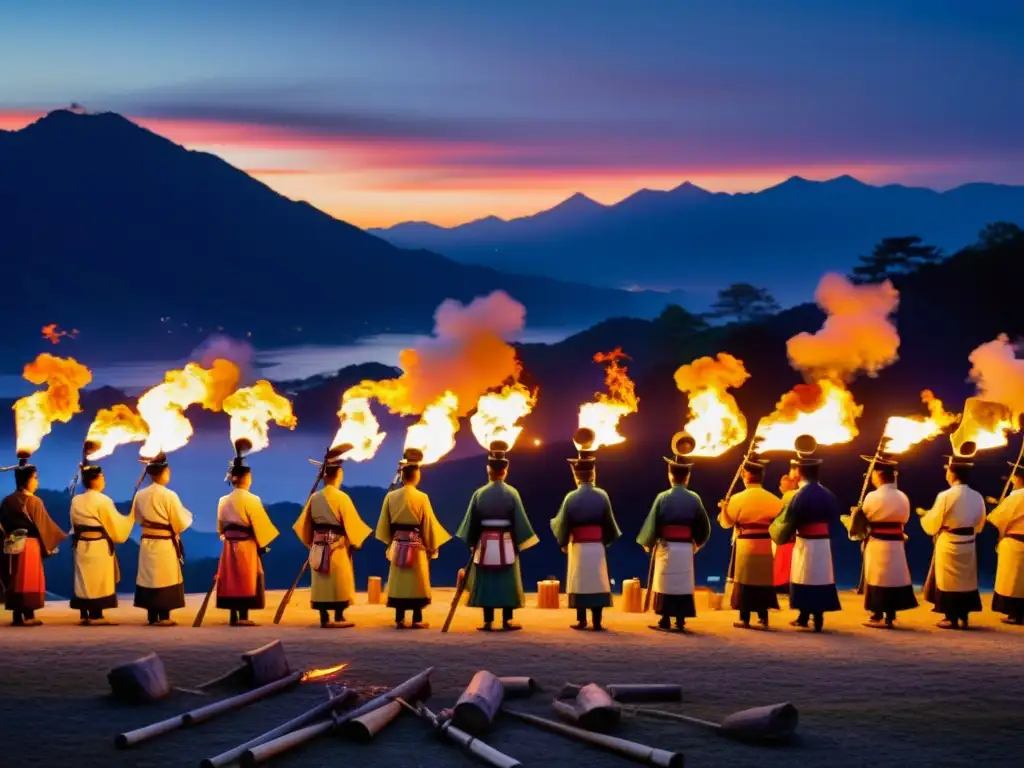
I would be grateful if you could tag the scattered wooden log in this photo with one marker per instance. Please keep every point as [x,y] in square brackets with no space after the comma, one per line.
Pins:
[417,686]
[548,593]
[141,681]
[259,666]
[483,752]
[640,753]
[626,693]
[364,728]
[593,709]
[773,724]
[202,714]
[519,687]
[632,596]
[373,590]
[479,703]
[336,701]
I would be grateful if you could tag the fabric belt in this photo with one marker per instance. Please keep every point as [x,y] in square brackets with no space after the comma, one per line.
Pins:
[886,531]
[1016,537]
[328,528]
[80,530]
[245,532]
[179,548]
[496,524]
[681,533]
[959,531]
[753,531]
[405,527]
[813,531]
[587,534]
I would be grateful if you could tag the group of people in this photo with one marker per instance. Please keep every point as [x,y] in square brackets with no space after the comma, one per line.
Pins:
[768,532]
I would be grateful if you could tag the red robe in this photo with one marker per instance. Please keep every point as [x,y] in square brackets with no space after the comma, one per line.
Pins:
[22,575]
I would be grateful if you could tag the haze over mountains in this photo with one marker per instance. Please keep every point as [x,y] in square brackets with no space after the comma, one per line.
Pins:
[112,229]
[783,237]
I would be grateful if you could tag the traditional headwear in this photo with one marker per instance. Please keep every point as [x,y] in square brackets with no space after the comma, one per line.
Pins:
[882,459]
[238,467]
[411,457]
[804,446]
[496,455]
[157,462]
[682,445]
[755,463]
[334,457]
[962,456]
[1016,468]
[22,468]
[586,458]
[89,471]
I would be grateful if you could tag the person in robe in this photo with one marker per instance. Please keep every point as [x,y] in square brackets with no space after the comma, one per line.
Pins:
[886,511]
[29,535]
[750,512]
[1008,519]
[783,555]
[954,520]
[413,535]
[246,531]
[97,529]
[675,529]
[804,519]
[159,586]
[584,527]
[497,529]
[332,529]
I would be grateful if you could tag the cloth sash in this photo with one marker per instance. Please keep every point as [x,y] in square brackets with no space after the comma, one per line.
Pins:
[89,533]
[680,533]
[813,531]
[886,531]
[179,548]
[960,532]
[1015,536]
[753,531]
[236,532]
[326,538]
[587,534]
[495,550]
[405,546]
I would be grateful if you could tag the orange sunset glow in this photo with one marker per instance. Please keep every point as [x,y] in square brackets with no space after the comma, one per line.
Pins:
[379,181]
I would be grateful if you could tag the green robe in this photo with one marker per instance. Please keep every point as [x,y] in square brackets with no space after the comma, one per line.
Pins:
[496,587]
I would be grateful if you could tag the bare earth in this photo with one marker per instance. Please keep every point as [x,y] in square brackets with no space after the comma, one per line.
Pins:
[913,697]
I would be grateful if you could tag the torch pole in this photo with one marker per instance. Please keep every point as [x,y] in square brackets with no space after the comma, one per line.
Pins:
[305,563]
[861,583]
[1009,477]
[724,504]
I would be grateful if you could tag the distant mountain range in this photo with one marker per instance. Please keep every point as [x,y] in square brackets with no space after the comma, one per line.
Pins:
[783,237]
[141,244]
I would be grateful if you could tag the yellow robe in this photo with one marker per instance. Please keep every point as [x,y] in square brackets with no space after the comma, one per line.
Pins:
[753,505]
[332,506]
[1008,519]
[96,573]
[410,587]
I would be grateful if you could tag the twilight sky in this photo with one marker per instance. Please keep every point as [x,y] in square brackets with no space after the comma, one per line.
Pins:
[448,110]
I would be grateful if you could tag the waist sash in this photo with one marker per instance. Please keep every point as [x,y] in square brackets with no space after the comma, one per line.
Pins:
[179,548]
[680,533]
[587,534]
[80,531]
[965,531]
[495,549]
[242,532]
[405,545]
[1016,537]
[886,531]
[813,531]
[325,536]
[753,531]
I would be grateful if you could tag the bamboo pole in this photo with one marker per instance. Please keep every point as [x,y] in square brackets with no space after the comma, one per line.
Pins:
[260,753]
[1009,478]
[771,724]
[474,746]
[234,754]
[202,714]
[640,753]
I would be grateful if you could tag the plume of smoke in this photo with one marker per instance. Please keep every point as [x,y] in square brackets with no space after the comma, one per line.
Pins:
[221,347]
[719,373]
[999,374]
[468,355]
[858,335]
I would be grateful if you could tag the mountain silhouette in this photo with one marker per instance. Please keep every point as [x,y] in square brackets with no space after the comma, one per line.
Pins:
[783,237]
[139,243]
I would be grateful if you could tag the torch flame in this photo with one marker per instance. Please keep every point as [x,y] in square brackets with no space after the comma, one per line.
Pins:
[115,426]
[825,410]
[903,432]
[163,406]
[253,408]
[434,433]
[603,415]
[716,423]
[359,428]
[320,674]
[34,415]
[497,413]
[984,423]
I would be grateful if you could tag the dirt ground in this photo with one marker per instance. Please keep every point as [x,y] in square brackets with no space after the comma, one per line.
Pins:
[917,696]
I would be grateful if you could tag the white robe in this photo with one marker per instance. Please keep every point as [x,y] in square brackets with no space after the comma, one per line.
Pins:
[94,563]
[885,562]
[673,568]
[1008,518]
[158,559]
[956,561]
[588,569]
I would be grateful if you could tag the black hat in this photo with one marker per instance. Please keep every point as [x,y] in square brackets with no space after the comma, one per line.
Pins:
[411,457]
[157,462]
[755,464]
[91,472]
[334,457]
[682,445]
[496,455]
[238,467]
[804,445]
[586,458]
[962,457]
[882,459]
